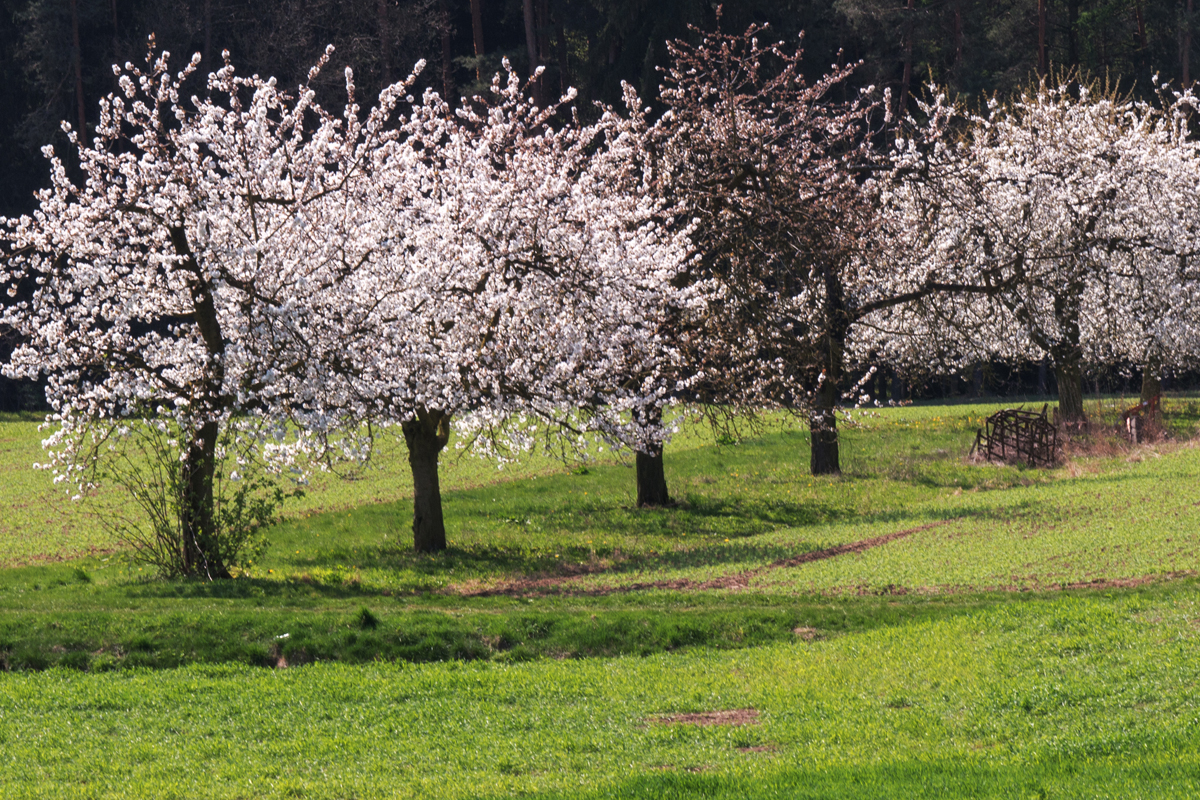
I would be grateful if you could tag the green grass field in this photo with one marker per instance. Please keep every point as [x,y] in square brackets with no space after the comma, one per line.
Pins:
[919,627]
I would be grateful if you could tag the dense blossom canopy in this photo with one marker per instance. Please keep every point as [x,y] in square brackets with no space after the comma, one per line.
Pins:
[166,282]
[1070,211]
[249,256]
[250,260]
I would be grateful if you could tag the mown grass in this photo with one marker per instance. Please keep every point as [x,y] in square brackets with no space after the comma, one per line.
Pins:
[574,535]
[745,506]
[1062,696]
[43,525]
[541,653]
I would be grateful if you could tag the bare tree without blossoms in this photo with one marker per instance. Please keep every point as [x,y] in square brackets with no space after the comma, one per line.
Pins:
[163,286]
[1073,208]
[518,280]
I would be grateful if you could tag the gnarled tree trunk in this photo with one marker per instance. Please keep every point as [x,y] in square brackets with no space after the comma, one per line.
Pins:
[822,419]
[426,436]
[1069,375]
[651,479]
[201,549]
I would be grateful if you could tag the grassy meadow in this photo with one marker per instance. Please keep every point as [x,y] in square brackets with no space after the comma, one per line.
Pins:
[920,626]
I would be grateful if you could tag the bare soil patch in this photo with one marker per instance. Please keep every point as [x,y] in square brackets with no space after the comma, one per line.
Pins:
[733,716]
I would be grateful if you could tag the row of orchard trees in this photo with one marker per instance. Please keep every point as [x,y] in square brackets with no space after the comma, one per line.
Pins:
[232,270]
[1072,214]
[249,277]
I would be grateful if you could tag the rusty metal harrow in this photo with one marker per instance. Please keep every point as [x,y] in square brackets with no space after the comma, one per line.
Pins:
[1015,434]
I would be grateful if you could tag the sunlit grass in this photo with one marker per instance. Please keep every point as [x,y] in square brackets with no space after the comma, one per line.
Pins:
[899,671]
[742,506]
[1063,697]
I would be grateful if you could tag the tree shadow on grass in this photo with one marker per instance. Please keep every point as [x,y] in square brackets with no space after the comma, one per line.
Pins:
[550,528]
[247,588]
[724,535]
[1152,774]
[466,565]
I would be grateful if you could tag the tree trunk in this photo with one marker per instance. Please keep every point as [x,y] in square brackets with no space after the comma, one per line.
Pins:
[564,75]
[822,426]
[447,57]
[1067,354]
[1070,391]
[651,480]
[1185,48]
[831,349]
[906,81]
[1151,378]
[425,436]
[207,56]
[531,46]
[385,41]
[78,51]
[202,555]
[1072,33]
[542,18]
[822,423]
[956,70]
[1043,61]
[116,34]
[477,32]
[201,548]
[1140,15]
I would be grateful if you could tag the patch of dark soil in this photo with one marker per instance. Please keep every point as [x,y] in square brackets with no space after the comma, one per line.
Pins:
[733,716]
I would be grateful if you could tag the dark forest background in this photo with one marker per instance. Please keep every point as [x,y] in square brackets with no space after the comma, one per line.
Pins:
[56,61]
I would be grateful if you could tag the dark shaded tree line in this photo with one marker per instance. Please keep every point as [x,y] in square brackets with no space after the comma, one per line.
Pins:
[56,55]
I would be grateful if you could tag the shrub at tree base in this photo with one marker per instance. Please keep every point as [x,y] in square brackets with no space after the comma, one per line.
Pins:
[245,501]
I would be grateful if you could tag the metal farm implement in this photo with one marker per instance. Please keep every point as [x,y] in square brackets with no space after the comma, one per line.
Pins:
[1015,434]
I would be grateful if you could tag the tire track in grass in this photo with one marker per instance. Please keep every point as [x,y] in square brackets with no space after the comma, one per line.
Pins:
[561,584]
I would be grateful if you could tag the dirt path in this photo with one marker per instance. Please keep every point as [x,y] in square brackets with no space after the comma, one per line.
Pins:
[561,584]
